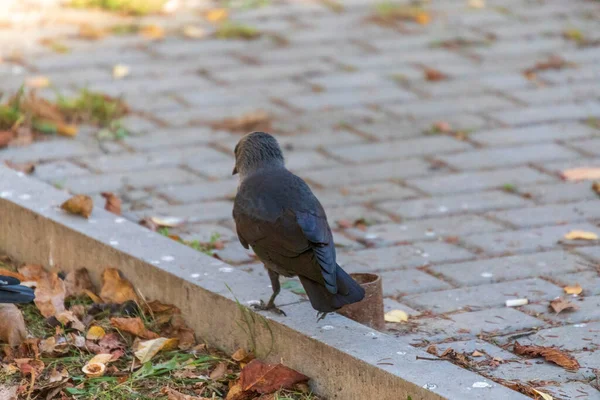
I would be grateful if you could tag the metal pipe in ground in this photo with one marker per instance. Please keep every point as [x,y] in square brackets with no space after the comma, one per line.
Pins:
[369,311]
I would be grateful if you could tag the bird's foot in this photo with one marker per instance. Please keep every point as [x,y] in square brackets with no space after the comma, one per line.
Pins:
[268,307]
[321,315]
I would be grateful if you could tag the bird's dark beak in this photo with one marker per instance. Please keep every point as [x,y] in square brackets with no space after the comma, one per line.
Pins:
[234,170]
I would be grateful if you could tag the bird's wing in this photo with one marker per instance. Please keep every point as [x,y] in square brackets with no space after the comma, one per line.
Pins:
[286,242]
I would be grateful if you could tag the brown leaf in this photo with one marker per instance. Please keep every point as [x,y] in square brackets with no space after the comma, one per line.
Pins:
[33,272]
[550,354]
[26,168]
[50,295]
[116,289]
[236,393]
[173,394]
[7,272]
[90,32]
[581,174]
[78,282]
[477,354]
[29,366]
[110,343]
[113,203]
[159,308]
[432,349]
[12,328]
[67,318]
[433,75]
[134,326]
[144,351]
[152,32]
[560,304]
[253,121]
[267,378]
[219,371]
[6,137]
[179,330]
[596,187]
[79,205]
[241,355]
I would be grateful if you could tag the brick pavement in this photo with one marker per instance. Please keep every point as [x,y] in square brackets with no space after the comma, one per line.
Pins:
[457,220]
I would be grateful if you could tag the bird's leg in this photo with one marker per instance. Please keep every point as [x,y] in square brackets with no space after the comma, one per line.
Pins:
[274,276]
[321,315]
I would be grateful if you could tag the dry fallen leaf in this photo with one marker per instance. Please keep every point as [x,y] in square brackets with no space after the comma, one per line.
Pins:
[477,354]
[66,130]
[253,121]
[396,316]
[116,289]
[6,137]
[27,168]
[423,18]
[173,394]
[134,326]
[152,32]
[581,235]
[193,32]
[113,203]
[219,371]
[216,14]
[236,393]
[560,304]
[110,343]
[29,366]
[581,174]
[576,289]
[101,358]
[37,82]
[149,348]
[57,376]
[95,333]
[596,187]
[265,378]
[433,75]
[90,32]
[78,282]
[79,205]
[476,3]
[120,71]
[551,354]
[7,272]
[12,328]
[545,396]
[167,222]
[50,295]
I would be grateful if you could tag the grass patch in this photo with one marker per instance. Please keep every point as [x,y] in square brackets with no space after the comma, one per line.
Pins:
[232,30]
[92,107]
[207,248]
[509,188]
[130,7]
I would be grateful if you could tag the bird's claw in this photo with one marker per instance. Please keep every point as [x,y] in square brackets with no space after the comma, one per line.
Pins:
[321,315]
[268,307]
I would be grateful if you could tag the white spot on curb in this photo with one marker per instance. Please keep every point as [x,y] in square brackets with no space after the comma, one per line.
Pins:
[155,262]
[481,385]
[195,276]
[401,353]
[327,327]
[6,194]
[430,386]
[119,220]
[487,275]
[225,269]
[25,196]
[167,258]
[114,242]
[579,325]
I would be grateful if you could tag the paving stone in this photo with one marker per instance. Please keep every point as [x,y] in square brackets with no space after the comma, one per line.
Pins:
[589,310]
[591,146]
[114,182]
[200,191]
[425,331]
[401,256]
[393,150]
[552,263]
[135,124]
[558,94]
[345,81]
[570,338]
[549,214]
[557,167]
[534,370]
[441,108]
[201,212]
[391,304]
[568,75]
[353,98]
[493,321]
[592,253]
[426,229]
[308,141]
[364,193]
[559,192]
[205,232]
[526,240]
[302,160]
[509,156]
[572,391]
[410,281]
[470,346]
[525,47]
[349,175]
[548,113]
[235,253]
[50,150]
[343,242]
[475,181]
[453,204]
[56,170]
[484,296]
[179,137]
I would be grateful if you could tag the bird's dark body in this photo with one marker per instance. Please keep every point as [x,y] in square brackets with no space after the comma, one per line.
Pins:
[277,214]
[12,292]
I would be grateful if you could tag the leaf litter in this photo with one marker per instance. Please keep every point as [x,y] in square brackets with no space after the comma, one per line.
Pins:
[120,347]
[551,354]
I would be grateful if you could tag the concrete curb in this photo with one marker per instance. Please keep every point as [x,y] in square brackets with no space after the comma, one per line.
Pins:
[345,360]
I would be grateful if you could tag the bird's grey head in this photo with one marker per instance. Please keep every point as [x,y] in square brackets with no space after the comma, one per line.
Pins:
[256,150]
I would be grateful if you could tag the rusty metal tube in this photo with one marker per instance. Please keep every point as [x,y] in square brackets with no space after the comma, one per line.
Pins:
[369,311]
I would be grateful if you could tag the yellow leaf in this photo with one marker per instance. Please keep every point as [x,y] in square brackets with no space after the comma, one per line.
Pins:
[66,130]
[90,32]
[216,14]
[152,32]
[95,333]
[116,289]
[573,289]
[545,396]
[581,174]
[93,296]
[79,204]
[581,235]
[422,18]
[149,348]
[101,358]
[396,316]
[120,71]
[193,32]
[477,3]
[37,82]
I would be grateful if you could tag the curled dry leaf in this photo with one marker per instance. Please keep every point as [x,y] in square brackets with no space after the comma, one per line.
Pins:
[173,394]
[545,396]
[581,174]
[67,318]
[550,354]
[241,355]
[78,282]
[113,203]
[167,222]
[576,289]
[219,372]
[216,14]
[116,289]
[79,205]
[253,121]
[29,366]
[477,354]
[193,32]
[134,326]
[12,328]
[101,358]
[433,75]
[596,187]
[95,333]
[26,168]
[152,32]
[149,348]
[396,316]
[263,378]
[6,137]
[50,295]
[120,71]
[110,343]
[581,235]
[558,305]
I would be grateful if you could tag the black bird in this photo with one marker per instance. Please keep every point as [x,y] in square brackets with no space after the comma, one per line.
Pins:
[277,214]
[11,291]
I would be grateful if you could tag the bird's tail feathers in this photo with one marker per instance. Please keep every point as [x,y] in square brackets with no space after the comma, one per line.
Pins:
[349,291]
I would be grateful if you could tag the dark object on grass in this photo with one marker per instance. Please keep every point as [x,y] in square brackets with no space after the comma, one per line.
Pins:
[11,291]
[277,214]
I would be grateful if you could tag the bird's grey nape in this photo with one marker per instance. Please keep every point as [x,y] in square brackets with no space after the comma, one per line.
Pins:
[257,150]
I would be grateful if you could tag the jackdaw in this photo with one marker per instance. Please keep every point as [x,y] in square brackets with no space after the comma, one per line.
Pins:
[277,214]
[11,291]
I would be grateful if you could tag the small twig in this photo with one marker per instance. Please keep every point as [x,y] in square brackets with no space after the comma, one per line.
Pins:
[429,358]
